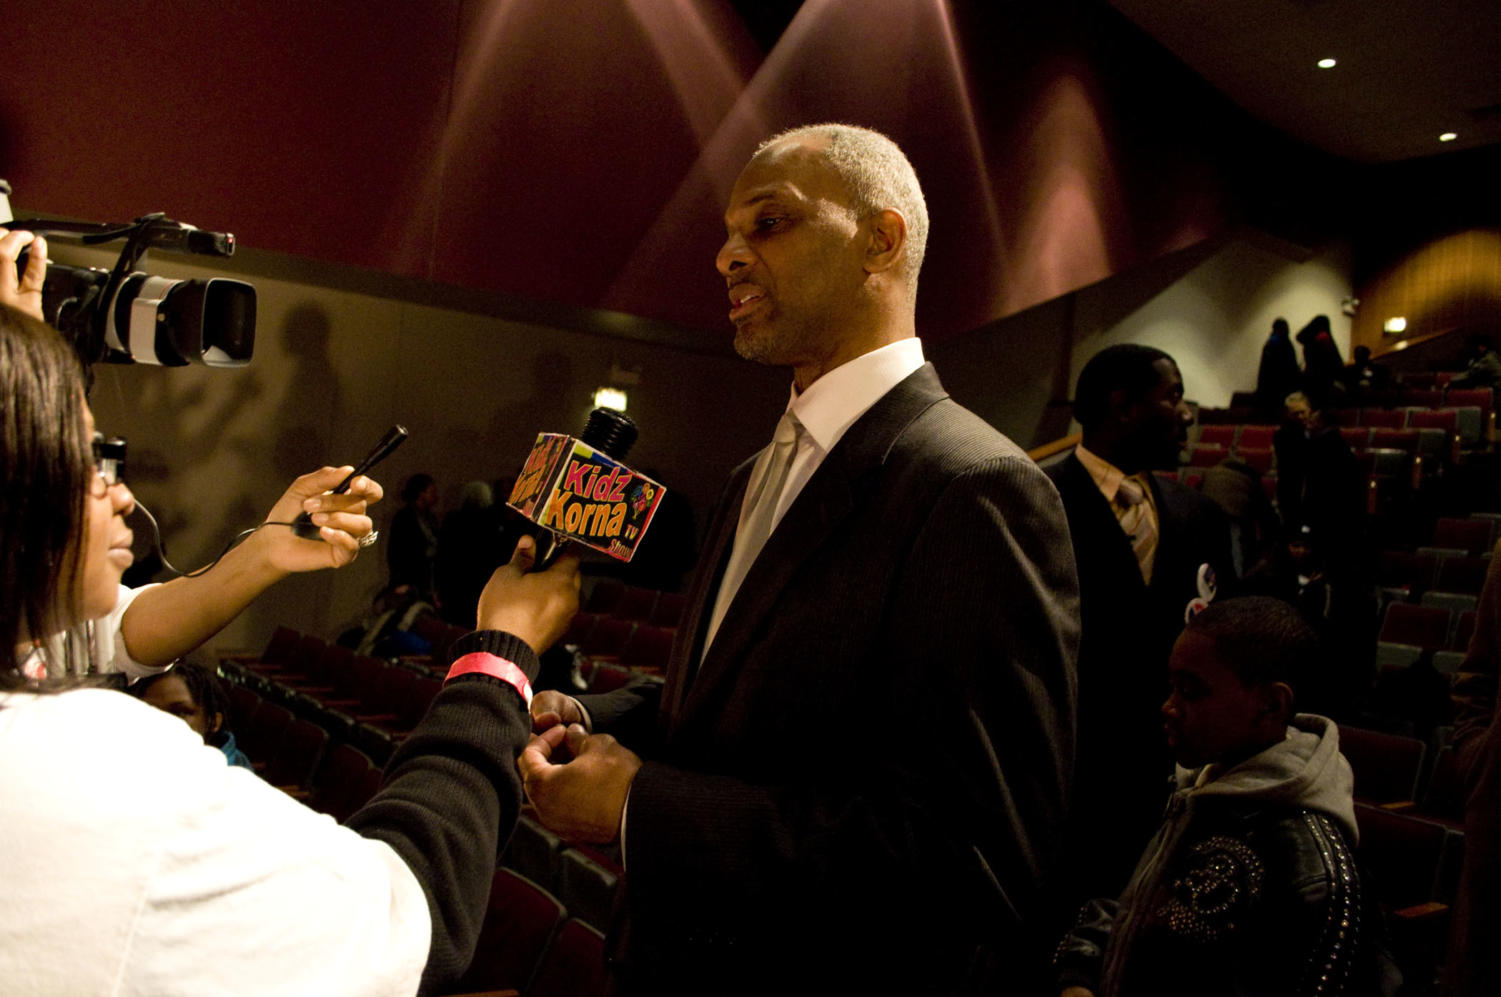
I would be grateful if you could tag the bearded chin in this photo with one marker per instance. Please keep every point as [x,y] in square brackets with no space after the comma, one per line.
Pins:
[751,346]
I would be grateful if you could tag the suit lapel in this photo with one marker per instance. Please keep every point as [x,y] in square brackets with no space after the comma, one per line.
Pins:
[700,604]
[1098,526]
[825,501]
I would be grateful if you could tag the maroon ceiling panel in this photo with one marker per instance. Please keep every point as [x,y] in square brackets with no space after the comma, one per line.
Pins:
[302,127]
[580,150]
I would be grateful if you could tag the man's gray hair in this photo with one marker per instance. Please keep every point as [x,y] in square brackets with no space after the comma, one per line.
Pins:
[878,176]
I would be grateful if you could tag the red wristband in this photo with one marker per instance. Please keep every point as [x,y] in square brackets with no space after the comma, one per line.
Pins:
[496,667]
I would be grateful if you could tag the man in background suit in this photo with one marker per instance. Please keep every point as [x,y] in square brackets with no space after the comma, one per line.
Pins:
[862,749]
[1146,550]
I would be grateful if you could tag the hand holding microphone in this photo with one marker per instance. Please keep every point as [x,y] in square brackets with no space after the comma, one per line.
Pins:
[303,525]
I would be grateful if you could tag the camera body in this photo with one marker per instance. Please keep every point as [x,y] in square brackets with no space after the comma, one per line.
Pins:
[124,315]
[155,320]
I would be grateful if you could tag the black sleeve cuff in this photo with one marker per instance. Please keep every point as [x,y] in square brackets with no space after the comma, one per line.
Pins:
[500,644]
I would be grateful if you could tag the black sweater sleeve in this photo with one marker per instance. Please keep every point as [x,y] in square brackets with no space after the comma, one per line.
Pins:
[450,797]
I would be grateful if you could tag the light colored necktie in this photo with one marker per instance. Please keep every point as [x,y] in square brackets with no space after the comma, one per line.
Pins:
[1131,512]
[757,514]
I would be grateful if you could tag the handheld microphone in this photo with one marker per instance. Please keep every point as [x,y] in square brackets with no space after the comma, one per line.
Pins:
[303,524]
[577,490]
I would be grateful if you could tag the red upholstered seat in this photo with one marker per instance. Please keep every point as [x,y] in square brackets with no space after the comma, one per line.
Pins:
[1386,766]
[519,924]
[1422,626]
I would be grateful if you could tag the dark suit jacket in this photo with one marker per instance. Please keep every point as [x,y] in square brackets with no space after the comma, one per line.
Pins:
[859,786]
[1128,632]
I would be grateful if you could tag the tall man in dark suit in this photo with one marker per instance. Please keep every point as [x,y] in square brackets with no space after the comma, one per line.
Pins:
[1148,551]
[854,770]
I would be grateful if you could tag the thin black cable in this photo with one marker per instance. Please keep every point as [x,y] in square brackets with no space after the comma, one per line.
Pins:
[161,551]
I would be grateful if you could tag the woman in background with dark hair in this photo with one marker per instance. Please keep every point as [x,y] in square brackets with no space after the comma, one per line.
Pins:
[138,865]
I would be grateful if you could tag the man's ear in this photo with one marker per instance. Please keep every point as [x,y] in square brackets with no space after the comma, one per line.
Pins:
[215,722]
[888,237]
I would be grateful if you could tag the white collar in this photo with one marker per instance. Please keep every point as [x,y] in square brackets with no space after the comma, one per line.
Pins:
[832,403]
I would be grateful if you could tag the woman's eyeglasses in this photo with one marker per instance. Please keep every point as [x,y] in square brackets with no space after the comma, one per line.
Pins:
[109,462]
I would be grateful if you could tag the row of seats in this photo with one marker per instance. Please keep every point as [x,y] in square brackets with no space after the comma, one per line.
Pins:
[624,630]
[366,701]
[300,757]
[585,879]
[1473,411]
[1430,594]
[611,597]
[1407,576]
[1410,815]
[529,946]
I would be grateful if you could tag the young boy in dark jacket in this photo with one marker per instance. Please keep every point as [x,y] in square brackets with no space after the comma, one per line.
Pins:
[1249,887]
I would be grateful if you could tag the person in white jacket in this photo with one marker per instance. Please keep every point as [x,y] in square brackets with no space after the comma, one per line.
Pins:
[136,861]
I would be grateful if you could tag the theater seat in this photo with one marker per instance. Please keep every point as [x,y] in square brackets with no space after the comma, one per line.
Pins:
[1410,861]
[262,736]
[519,924]
[1386,766]
[1425,626]
[1262,459]
[1473,536]
[294,762]
[339,787]
[1383,418]
[586,887]
[1220,436]
[1256,437]
[574,965]
[635,603]
[533,852]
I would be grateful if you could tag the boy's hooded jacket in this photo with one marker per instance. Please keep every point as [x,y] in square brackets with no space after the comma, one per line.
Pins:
[1249,886]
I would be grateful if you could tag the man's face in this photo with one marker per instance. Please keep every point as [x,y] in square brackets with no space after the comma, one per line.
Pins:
[791,257]
[1209,715]
[1159,420]
[1300,412]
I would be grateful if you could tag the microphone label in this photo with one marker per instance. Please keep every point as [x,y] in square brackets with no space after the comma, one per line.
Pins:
[584,495]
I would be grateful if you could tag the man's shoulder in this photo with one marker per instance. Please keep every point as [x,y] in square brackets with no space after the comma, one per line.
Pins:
[948,430]
[1182,502]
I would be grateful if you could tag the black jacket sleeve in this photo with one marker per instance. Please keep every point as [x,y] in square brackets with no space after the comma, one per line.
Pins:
[450,799]
[1081,954]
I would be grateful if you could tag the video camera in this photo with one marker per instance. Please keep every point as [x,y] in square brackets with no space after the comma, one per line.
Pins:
[123,315]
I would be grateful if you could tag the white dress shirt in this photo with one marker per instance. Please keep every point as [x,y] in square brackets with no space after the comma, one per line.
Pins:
[826,411]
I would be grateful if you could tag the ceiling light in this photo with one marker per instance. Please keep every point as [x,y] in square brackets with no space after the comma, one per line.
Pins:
[1327,63]
[1448,136]
[1396,325]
